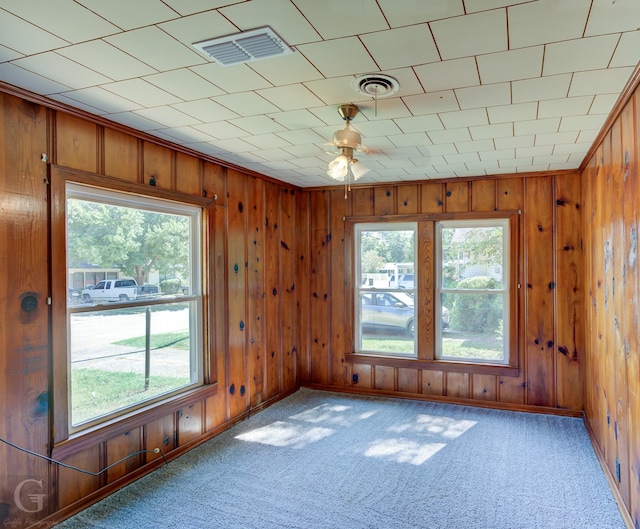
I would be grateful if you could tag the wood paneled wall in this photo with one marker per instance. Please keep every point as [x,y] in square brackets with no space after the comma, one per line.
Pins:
[252,299]
[280,260]
[612,369]
[550,307]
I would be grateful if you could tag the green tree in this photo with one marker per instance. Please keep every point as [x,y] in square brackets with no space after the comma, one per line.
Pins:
[378,248]
[477,312]
[134,240]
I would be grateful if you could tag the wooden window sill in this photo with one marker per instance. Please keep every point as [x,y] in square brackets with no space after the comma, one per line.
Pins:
[436,365]
[90,437]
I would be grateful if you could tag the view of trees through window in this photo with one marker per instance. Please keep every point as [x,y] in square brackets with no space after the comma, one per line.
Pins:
[134,309]
[473,289]
[137,242]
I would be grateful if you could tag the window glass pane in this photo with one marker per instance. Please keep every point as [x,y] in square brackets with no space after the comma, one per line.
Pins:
[476,326]
[387,322]
[110,366]
[385,286]
[470,253]
[387,258]
[135,322]
[145,252]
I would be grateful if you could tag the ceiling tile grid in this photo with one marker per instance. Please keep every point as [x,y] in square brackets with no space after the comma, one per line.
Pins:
[483,86]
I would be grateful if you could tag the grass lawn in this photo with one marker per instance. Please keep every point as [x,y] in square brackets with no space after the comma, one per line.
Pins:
[480,346]
[455,344]
[96,391]
[177,340]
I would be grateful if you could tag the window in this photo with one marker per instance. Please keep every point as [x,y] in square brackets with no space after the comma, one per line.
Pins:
[472,284]
[434,290]
[136,337]
[384,299]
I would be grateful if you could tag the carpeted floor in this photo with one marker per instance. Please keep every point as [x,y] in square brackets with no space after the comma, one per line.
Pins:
[320,460]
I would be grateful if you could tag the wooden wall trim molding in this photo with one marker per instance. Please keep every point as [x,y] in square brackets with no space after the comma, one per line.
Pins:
[435,365]
[373,185]
[607,472]
[98,120]
[109,430]
[450,400]
[626,94]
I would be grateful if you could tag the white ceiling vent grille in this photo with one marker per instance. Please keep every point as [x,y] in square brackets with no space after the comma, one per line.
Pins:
[249,46]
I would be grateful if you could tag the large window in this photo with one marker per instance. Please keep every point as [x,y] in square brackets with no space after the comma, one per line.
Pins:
[473,288]
[134,302]
[437,290]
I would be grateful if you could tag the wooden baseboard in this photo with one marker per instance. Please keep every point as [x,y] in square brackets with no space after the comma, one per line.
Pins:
[450,400]
[626,515]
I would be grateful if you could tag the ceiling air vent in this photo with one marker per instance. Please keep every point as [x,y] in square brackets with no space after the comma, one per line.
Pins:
[249,46]
[376,84]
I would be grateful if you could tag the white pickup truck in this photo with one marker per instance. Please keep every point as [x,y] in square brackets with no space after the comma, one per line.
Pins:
[112,290]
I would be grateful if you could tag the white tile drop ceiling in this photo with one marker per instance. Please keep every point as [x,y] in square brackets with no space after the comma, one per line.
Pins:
[486,86]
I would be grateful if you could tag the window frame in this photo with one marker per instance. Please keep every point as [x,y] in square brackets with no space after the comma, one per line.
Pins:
[360,289]
[67,439]
[425,295]
[505,291]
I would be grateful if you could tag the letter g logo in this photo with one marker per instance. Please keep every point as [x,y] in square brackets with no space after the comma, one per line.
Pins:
[36,499]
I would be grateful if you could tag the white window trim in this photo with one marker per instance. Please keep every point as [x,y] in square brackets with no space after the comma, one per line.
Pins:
[506,282]
[359,288]
[196,318]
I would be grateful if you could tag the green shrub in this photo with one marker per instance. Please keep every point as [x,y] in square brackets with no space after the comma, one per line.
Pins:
[170,286]
[480,312]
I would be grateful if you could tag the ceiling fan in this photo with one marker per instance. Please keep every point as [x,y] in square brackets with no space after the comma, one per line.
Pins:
[345,166]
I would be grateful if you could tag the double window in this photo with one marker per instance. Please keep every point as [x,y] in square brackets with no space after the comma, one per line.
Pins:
[439,290]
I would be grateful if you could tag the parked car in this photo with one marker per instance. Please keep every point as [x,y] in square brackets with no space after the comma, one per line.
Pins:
[149,291]
[392,311]
[403,281]
[122,289]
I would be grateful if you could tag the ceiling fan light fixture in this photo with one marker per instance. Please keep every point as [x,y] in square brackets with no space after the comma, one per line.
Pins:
[339,167]
[358,169]
[346,138]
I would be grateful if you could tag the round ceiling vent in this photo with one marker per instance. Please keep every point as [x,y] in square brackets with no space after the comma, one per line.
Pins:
[376,85]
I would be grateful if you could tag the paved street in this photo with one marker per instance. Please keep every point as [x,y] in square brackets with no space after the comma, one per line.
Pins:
[90,333]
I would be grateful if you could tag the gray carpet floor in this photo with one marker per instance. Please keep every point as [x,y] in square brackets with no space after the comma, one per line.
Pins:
[320,460]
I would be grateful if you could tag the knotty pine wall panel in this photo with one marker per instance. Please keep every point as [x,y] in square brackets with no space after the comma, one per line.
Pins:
[158,164]
[320,283]
[77,143]
[120,447]
[552,287]
[609,231]
[24,313]
[432,197]
[257,342]
[80,143]
[510,196]
[121,157]
[408,199]
[631,313]
[302,294]
[237,265]
[288,288]
[273,282]
[341,324]
[570,288]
